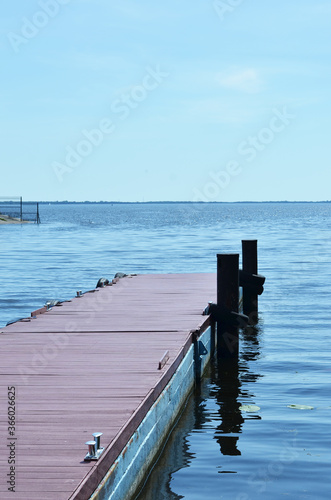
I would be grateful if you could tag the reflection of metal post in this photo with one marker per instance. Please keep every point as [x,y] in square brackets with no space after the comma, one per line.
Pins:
[21,208]
[249,257]
[227,395]
[228,298]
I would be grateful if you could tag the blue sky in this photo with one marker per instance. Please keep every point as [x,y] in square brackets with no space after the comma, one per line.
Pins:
[178,100]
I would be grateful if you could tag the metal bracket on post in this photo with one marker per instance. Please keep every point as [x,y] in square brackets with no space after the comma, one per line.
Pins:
[202,351]
[199,351]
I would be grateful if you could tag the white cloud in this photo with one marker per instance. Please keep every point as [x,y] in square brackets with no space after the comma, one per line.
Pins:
[245,80]
[220,111]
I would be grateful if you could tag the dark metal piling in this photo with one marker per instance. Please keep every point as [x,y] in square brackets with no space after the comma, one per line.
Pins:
[249,265]
[227,299]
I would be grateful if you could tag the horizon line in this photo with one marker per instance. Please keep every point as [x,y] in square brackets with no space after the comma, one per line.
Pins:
[168,201]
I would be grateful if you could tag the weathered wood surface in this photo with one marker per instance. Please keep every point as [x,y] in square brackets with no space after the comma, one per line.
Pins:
[91,364]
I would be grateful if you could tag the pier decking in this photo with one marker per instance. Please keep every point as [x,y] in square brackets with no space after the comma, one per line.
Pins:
[91,364]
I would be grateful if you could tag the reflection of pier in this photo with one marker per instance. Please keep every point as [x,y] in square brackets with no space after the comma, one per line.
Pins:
[227,397]
[226,389]
[174,457]
[230,377]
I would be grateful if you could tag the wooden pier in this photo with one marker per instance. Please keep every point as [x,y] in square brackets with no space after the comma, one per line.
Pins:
[111,369]
[97,363]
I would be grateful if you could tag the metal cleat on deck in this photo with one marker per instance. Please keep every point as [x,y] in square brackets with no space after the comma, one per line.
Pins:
[94,448]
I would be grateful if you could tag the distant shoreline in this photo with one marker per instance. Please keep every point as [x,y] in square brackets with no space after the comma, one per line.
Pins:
[65,202]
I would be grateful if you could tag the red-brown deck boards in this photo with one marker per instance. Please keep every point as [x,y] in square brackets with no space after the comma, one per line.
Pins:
[91,364]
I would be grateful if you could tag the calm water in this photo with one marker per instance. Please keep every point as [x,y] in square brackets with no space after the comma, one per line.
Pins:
[218,450]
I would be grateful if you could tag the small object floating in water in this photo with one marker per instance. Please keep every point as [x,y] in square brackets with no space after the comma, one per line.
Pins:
[300,407]
[249,408]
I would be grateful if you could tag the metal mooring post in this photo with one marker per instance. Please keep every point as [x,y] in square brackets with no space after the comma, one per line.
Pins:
[227,299]
[249,263]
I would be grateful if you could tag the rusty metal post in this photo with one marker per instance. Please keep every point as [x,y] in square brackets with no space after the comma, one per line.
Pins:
[250,298]
[228,297]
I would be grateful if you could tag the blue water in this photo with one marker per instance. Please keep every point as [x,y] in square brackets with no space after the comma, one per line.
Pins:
[218,450]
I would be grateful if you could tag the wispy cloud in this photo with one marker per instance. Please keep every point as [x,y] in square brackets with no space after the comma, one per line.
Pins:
[220,111]
[244,80]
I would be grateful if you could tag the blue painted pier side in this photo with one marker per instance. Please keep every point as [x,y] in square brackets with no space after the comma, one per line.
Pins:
[111,368]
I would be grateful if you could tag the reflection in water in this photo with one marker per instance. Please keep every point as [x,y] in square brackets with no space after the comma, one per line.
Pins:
[227,393]
[250,343]
[214,406]
[174,457]
[229,377]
